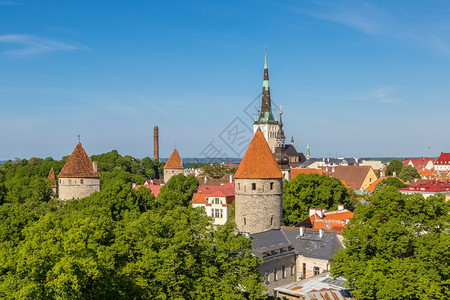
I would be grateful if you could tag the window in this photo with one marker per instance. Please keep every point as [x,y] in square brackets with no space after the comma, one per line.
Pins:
[239,186]
[316,271]
[266,277]
[70,181]
[271,221]
[271,186]
[245,221]
[275,275]
[218,213]
[60,181]
[253,186]
[81,181]
[304,270]
[217,201]
[292,269]
[283,271]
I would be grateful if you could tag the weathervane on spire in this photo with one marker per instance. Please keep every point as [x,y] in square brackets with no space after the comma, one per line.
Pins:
[78,138]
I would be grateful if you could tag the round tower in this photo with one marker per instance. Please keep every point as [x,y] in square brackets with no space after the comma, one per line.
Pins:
[258,189]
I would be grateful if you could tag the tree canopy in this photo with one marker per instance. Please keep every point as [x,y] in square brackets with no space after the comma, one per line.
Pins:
[119,243]
[396,166]
[311,190]
[397,247]
[409,173]
[390,181]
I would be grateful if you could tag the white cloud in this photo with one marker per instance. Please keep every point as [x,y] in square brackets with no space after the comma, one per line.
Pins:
[28,45]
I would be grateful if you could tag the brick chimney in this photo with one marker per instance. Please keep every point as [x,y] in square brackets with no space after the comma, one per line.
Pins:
[155,143]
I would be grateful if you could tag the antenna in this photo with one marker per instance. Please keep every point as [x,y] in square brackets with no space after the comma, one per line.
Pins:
[78,138]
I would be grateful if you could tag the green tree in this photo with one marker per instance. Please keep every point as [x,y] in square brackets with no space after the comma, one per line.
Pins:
[214,170]
[390,181]
[394,166]
[311,190]
[177,191]
[397,247]
[409,173]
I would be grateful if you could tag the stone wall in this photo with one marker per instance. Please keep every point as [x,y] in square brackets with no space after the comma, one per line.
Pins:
[285,272]
[168,173]
[258,204]
[70,188]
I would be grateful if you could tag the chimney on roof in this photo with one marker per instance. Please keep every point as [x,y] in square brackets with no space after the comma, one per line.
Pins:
[302,231]
[319,212]
[321,232]
[340,206]
[312,211]
[382,174]
[94,166]
[231,178]
[155,143]
[394,174]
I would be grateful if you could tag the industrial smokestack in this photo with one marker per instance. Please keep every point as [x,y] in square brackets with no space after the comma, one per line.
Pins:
[155,143]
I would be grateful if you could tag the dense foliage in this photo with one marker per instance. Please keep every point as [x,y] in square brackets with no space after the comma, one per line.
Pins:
[390,181]
[119,243]
[397,247]
[396,166]
[312,190]
[408,173]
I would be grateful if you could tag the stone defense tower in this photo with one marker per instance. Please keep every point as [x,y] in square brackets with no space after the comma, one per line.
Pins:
[265,121]
[79,177]
[173,166]
[155,143]
[258,189]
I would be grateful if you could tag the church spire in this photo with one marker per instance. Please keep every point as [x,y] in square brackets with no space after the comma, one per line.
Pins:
[266,115]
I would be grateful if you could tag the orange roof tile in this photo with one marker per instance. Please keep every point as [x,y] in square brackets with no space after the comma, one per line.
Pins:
[295,172]
[371,187]
[79,165]
[174,161]
[52,177]
[258,161]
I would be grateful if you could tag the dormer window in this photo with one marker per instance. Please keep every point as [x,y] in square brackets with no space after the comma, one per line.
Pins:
[217,201]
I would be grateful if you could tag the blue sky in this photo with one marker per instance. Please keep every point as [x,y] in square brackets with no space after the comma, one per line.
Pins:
[354,78]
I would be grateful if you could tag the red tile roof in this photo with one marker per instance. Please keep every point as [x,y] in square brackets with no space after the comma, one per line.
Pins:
[79,165]
[335,220]
[418,163]
[174,161]
[52,177]
[258,161]
[205,191]
[428,186]
[295,172]
[154,188]
[443,159]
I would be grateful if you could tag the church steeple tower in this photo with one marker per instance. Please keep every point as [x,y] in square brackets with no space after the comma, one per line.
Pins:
[265,121]
[266,115]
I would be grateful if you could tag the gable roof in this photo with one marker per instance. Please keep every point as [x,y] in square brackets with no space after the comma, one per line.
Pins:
[444,159]
[335,220]
[418,162]
[353,175]
[297,171]
[205,191]
[174,161]
[79,165]
[258,161]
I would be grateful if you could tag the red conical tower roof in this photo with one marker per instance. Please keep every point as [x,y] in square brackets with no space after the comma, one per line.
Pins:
[258,161]
[79,165]
[52,177]
[174,161]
